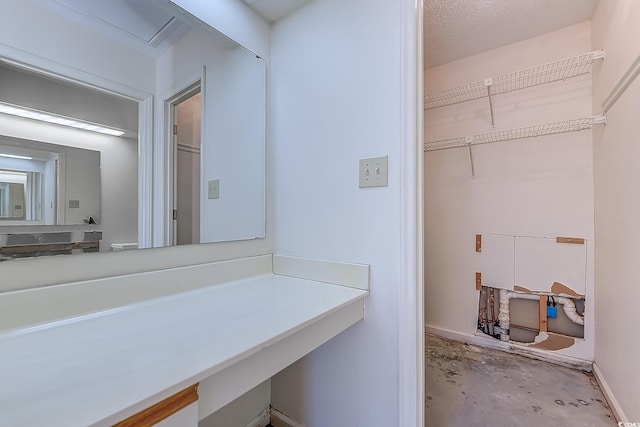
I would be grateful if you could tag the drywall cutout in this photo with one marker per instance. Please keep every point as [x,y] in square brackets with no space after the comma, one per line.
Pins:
[522,318]
[488,306]
[561,289]
[562,324]
[554,342]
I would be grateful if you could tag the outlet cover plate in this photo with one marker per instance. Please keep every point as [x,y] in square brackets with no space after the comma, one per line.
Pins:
[214,189]
[374,172]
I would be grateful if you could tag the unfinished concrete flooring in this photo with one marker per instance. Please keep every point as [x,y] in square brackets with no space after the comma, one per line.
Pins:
[468,386]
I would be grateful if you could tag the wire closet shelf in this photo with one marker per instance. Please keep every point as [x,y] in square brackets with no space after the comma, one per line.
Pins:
[529,77]
[572,125]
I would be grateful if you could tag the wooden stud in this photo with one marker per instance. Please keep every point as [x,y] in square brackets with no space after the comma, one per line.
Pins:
[543,313]
[524,328]
[478,281]
[163,409]
[478,242]
[571,240]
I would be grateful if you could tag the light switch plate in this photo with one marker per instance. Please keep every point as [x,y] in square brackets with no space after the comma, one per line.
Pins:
[374,172]
[214,189]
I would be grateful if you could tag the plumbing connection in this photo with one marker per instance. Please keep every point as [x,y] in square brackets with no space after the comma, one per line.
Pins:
[568,306]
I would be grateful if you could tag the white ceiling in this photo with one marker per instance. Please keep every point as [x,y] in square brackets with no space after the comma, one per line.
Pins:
[147,25]
[272,10]
[454,29]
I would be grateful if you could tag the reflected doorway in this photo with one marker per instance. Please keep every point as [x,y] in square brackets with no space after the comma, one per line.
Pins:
[187,132]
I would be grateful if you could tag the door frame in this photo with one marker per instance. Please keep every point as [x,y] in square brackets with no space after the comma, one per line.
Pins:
[189,89]
[411,396]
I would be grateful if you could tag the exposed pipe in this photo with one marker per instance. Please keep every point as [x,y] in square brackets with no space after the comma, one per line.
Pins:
[568,305]
[503,315]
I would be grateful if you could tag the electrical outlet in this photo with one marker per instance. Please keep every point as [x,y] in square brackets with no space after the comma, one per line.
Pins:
[74,204]
[374,172]
[214,189]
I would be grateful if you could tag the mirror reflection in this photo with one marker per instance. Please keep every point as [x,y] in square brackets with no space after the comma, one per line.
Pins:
[166,52]
[48,184]
[13,186]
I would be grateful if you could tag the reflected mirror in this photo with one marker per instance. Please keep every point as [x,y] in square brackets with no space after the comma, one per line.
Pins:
[12,195]
[48,184]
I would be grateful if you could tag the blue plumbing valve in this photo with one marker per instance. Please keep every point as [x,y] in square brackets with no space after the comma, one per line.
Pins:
[552,310]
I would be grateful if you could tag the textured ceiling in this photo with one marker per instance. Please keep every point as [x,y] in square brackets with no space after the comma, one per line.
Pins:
[454,29]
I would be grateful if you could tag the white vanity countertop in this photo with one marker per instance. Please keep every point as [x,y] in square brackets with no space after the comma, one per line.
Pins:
[79,371]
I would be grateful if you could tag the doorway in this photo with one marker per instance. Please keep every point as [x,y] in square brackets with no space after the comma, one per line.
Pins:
[186,128]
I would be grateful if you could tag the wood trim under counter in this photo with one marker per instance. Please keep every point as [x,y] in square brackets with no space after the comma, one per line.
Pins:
[163,409]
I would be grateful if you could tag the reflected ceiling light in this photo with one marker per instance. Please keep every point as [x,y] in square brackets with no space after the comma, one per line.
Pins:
[13,156]
[58,120]
[5,172]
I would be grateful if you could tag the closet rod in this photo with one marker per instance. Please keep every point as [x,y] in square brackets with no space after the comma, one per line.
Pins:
[573,125]
[529,77]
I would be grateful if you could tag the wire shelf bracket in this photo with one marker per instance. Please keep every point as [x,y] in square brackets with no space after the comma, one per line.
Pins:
[573,125]
[529,77]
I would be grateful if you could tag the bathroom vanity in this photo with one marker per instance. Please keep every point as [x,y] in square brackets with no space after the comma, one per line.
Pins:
[89,353]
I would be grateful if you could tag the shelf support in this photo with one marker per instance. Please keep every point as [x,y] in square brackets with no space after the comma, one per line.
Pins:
[488,82]
[599,120]
[597,54]
[469,141]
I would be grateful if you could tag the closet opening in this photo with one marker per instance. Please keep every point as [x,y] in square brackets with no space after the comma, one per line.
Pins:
[185,112]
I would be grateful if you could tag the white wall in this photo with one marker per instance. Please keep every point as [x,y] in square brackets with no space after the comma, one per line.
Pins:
[82,183]
[533,187]
[336,85]
[234,147]
[617,206]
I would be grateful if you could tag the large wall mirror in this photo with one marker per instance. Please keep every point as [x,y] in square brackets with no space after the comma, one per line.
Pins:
[225,159]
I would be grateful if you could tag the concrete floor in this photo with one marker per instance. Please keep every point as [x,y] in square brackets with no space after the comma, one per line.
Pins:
[468,386]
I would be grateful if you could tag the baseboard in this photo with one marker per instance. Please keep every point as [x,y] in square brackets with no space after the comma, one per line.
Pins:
[488,342]
[278,419]
[478,340]
[608,394]
[261,420]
